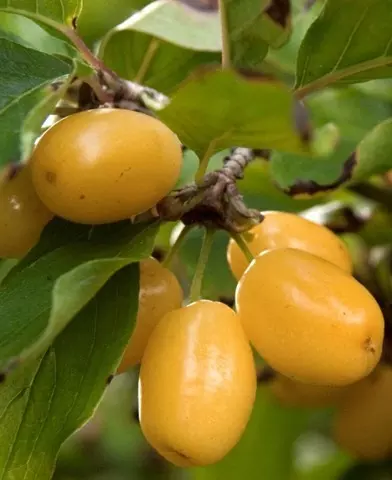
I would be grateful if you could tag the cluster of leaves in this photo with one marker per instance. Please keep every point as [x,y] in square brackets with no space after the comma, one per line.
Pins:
[311,83]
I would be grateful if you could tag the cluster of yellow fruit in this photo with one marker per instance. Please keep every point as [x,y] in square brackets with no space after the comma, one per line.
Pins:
[306,315]
[296,303]
[94,167]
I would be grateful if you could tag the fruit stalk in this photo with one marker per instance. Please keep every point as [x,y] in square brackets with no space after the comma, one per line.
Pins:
[195,293]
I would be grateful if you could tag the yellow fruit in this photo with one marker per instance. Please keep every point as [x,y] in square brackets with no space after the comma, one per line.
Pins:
[197,384]
[308,319]
[287,230]
[290,393]
[363,424]
[159,293]
[22,215]
[105,165]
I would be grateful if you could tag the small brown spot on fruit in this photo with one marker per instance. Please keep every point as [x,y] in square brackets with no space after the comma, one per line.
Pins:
[51,177]
[369,345]
[82,197]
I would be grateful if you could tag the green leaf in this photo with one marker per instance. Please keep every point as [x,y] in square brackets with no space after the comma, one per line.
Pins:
[6,265]
[374,153]
[45,402]
[337,47]
[260,192]
[298,175]
[56,283]
[28,33]
[250,27]
[32,126]
[215,110]
[286,56]
[24,78]
[345,107]
[217,280]
[150,60]
[301,176]
[178,24]
[62,11]
[96,19]
[266,448]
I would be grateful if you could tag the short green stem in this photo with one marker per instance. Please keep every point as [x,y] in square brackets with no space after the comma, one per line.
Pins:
[240,241]
[176,246]
[197,282]
[203,165]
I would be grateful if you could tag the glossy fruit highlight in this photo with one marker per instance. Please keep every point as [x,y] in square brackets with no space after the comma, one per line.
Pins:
[363,424]
[287,230]
[197,384]
[159,293]
[308,319]
[22,215]
[105,165]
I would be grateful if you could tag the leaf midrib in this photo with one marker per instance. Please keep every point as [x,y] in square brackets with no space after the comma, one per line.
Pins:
[334,77]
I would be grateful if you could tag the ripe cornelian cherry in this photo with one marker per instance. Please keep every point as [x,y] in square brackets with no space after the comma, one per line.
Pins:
[105,165]
[287,230]
[197,384]
[290,393]
[363,423]
[308,319]
[22,215]
[159,293]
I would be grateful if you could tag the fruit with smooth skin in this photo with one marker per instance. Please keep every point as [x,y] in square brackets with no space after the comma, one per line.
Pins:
[159,293]
[290,393]
[287,230]
[363,423]
[308,319]
[105,165]
[22,215]
[197,384]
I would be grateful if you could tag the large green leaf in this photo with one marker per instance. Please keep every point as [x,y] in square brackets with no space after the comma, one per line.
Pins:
[266,448]
[179,24]
[250,26]
[349,42]
[29,34]
[24,78]
[98,17]
[56,280]
[61,11]
[45,402]
[150,60]
[214,110]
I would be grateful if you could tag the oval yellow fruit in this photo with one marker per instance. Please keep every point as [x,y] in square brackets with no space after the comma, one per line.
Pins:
[287,230]
[106,165]
[197,384]
[22,215]
[363,423]
[290,393]
[159,293]
[308,319]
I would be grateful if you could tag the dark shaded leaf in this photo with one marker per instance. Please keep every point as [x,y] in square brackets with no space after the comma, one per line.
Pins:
[42,294]
[24,78]
[46,401]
